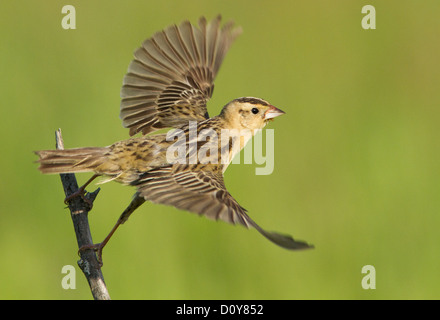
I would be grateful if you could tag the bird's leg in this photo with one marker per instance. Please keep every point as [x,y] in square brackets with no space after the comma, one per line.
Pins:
[98,247]
[81,192]
[134,204]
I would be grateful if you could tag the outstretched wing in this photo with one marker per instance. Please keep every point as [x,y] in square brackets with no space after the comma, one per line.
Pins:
[202,190]
[172,76]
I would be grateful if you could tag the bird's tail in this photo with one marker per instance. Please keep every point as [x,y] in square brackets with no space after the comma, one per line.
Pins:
[71,160]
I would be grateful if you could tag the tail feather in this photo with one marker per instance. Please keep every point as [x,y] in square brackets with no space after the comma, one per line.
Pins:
[71,160]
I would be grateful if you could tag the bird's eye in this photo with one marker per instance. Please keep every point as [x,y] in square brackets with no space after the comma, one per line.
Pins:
[254,110]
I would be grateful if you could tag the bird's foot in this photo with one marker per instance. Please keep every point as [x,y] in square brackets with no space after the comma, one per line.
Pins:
[98,247]
[81,192]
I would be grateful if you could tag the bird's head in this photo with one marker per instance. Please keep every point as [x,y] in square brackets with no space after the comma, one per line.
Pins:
[249,113]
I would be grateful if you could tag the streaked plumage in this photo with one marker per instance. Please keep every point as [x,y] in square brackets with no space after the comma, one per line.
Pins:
[172,76]
[167,86]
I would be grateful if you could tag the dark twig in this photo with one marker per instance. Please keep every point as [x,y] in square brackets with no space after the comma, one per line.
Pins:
[79,210]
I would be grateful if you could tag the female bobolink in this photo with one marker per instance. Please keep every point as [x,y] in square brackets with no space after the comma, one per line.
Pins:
[167,86]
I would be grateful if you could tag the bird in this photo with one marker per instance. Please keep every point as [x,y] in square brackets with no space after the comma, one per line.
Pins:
[167,86]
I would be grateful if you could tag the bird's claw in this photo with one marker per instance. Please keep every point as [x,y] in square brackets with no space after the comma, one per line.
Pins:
[81,192]
[95,247]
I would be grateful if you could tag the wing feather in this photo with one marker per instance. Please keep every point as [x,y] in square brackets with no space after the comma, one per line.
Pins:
[172,75]
[202,190]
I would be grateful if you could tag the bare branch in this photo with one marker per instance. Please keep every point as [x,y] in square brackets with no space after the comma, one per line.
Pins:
[79,210]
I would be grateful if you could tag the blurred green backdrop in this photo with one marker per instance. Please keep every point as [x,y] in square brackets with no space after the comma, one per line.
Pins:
[356,155]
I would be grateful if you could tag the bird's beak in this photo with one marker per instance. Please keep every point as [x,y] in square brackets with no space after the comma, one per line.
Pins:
[272,112]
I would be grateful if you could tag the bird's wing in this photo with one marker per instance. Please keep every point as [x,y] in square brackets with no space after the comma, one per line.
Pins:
[202,190]
[172,75]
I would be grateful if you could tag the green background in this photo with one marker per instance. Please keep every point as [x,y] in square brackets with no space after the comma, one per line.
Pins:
[356,155]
